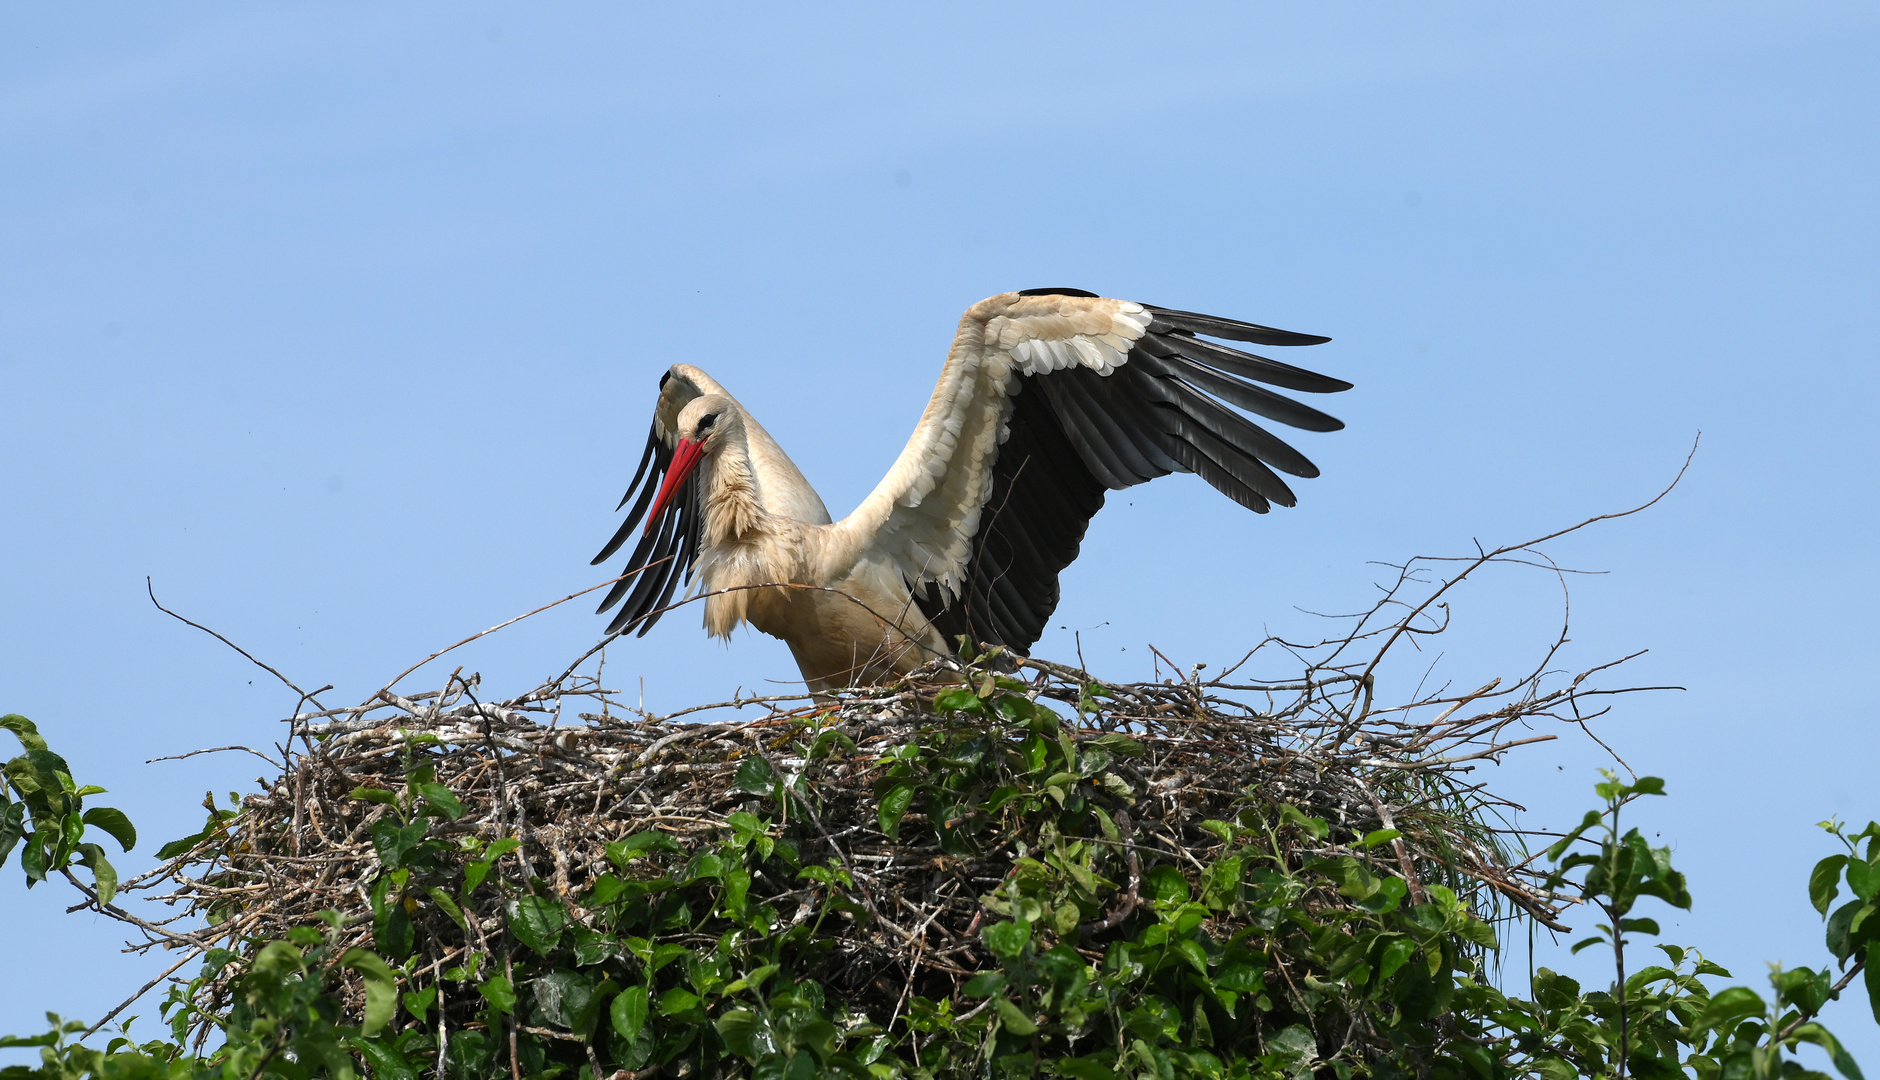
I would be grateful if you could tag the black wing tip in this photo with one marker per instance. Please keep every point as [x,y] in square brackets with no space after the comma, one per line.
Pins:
[1216,326]
[1167,319]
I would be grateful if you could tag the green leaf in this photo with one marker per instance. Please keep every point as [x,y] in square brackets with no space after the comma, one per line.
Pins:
[755,777]
[103,874]
[381,987]
[1296,1042]
[622,852]
[1477,1057]
[387,1063]
[752,982]
[1561,845]
[661,955]
[629,1012]
[1843,1061]
[746,827]
[474,873]
[1015,1022]
[1241,975]
[115,823]
[1196,956]
[1084,1068]
[418,1002]
[1380,836]
[677,1000]
[33,858]
[442,900]
[984,984]
[394,841]
[739,1029]
[567,1000]
[537,922]
[1825,882]
[1006,939]
[12,824]
[1872,976]
[1396,953]
[1119,744]
[1390,893]
[392,931]
[958,700]
[893,808]
[1803,988]
[23,728]
[181,847]
[439,798]
[1478,932]
[705,865]
[278,958]
[1863,878]
[1839,925]
[1292,815]
[497,991]
[1728,1006]
[1224,830]
[1639,926]
[1166,884]
[737,885]
[50,1038]
[373,794]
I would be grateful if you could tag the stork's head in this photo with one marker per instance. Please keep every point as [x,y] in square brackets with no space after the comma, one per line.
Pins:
[707,419]
[705,425]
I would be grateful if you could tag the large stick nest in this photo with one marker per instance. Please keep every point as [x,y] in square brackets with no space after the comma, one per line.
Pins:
[569,768]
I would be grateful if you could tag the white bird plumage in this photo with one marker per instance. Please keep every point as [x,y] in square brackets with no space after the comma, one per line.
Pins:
[1047,398]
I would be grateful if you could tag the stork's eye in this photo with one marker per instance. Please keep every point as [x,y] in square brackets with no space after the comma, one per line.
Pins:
[705,422]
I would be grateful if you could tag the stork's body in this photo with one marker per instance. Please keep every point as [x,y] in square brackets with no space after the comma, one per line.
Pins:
[1047,398]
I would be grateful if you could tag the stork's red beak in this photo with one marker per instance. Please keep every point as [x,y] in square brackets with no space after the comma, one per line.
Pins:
[684,459]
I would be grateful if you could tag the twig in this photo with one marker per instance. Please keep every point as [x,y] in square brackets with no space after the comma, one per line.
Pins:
[216,750]
[141,991]
[150,588]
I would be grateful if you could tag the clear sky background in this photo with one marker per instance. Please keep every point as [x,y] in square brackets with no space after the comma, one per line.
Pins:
[343,325]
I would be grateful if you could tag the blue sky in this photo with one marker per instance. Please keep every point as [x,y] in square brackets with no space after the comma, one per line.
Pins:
[343,324]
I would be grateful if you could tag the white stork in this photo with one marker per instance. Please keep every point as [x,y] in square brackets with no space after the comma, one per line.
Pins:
[1048,397]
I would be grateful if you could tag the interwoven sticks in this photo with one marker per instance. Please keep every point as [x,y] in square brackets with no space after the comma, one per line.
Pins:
[1209,750]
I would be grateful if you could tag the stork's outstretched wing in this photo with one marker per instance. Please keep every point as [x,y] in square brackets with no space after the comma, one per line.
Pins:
[1048,397]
